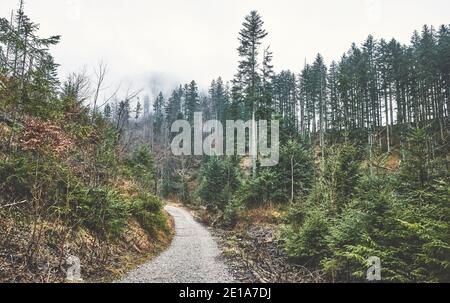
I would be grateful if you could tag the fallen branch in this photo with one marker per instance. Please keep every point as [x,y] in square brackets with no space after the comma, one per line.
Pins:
[14,204]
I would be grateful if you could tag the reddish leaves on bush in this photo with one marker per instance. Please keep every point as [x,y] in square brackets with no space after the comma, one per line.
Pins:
[44,137]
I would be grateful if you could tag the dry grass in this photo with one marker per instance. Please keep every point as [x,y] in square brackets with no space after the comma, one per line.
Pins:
[126,187]
[266,215]
[393,161]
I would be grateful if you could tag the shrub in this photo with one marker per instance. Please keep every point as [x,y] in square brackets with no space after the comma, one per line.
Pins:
[218,179]
[407,229]
[143,166]
[297,165]
[23,177]
[15,179]
[258,191]
[101,210]
[309,241]
[147,209]
[59,192]
[340,174]
[294,174]
[232,212]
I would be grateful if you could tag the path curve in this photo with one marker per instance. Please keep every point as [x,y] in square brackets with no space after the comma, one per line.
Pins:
[193,256]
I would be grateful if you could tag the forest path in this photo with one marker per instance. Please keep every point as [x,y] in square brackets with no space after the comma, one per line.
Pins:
[193,257]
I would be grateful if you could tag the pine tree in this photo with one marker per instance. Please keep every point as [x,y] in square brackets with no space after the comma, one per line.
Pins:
[213,178]
[207,107]
[443,53]
[173,108]
[158,112]
[248,77]
[285,98]
[371,85]
[295,170]
[266,108]
[25,59]
[107,112]
[247,82]
[320,94]
[121,119]
[192,101]
[220,103]
[335,107]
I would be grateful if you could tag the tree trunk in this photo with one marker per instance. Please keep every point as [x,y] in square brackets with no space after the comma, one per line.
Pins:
[292,178]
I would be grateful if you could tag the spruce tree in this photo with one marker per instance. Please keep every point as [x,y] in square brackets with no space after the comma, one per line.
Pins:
[173,108]
[247,82]
[158,112]
[266,107]
[192,101]
[248,77]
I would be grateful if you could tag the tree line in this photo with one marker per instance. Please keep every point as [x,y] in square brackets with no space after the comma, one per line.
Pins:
[375,93]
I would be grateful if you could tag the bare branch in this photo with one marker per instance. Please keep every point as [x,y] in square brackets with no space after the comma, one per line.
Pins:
[100,73]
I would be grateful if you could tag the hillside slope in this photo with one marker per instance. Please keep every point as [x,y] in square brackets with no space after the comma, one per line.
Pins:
[65,190]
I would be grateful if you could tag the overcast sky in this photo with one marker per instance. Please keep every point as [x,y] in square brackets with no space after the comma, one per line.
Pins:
[156,43]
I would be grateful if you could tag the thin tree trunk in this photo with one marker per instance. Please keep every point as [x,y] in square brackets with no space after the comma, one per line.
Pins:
[292,178]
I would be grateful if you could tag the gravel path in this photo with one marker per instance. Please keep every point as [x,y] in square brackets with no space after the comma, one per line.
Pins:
[193,257]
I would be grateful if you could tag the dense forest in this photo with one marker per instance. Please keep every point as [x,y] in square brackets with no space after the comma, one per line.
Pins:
[71,191]
[364,154]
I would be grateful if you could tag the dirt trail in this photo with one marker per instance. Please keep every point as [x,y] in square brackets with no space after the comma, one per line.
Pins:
[193,257]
